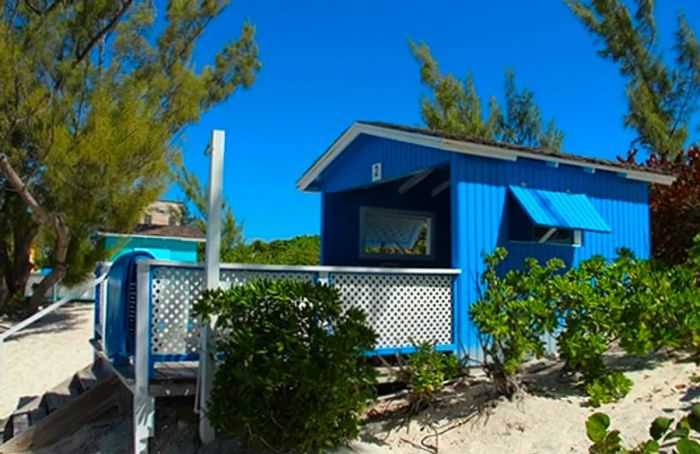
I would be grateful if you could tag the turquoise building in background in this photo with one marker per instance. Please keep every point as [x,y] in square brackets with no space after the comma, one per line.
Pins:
[177,243]
[160,232]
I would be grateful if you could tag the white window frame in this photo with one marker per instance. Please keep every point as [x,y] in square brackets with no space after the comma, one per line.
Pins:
[408,214]
[544,239]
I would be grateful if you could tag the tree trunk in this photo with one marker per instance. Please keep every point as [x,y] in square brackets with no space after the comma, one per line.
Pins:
[24,237]
[18,234]
[51,221]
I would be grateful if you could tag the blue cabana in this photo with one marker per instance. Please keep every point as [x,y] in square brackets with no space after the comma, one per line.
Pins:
[410,197]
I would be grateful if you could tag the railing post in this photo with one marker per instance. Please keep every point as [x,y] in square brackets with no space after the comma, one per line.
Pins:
[213,258]
[144,404]
[323,278]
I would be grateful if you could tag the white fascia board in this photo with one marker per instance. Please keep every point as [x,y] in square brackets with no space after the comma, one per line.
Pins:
[150,237]
[638,175]
[307,268]
[328,157]
[462,147]
[476,149]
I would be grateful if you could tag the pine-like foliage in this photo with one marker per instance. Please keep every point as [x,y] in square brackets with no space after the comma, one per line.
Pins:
[300,250]
[231,230]
[454,106]
[662,97]
[92,93]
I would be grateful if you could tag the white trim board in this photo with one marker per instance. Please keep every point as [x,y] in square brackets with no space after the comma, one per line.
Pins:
[150,237]
[463,147]
[307,268]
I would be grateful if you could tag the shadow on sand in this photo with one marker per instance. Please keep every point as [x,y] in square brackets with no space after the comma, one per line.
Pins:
[64,318]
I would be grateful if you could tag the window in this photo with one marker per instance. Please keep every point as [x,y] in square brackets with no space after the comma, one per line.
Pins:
[553,235]
[148,219]
[396,233]
[521,228]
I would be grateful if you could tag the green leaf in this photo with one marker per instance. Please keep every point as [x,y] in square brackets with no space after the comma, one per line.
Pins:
[696,410]
[694,421]
[597,427]
[650,447]
[659,427]
[686,446]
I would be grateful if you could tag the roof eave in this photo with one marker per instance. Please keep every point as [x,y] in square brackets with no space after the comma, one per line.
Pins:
[458,146]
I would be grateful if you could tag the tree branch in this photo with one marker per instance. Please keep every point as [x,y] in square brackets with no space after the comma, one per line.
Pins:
[44,11]
[101,33]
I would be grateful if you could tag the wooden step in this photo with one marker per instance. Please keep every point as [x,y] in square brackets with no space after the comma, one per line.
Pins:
[15,422]
[36,410]
[66,420]
[88,378]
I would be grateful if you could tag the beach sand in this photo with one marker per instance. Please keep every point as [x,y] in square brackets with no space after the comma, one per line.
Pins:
[44,354]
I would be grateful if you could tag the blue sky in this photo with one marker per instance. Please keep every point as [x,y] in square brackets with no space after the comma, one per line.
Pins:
[327,63]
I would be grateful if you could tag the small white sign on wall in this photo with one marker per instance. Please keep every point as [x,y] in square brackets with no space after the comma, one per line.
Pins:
[376,171]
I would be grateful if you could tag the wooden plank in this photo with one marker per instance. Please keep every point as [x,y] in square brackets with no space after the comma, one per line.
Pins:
[19,423]
[175,372]
[173,389]
[68,419]
[37,415]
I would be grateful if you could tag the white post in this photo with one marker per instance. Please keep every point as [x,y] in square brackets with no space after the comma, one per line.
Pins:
[144,407]
[207,350]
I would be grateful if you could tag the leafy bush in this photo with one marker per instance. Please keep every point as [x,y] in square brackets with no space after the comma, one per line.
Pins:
[683,437]
[513,315]
[608,388]
[292,375]
[639,305]
[426,371]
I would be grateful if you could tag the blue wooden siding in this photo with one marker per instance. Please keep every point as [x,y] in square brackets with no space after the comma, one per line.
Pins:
[473,215]
[161,248]
[480,193]
[353,168]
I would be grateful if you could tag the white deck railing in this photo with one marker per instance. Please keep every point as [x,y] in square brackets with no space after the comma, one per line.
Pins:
[403,305]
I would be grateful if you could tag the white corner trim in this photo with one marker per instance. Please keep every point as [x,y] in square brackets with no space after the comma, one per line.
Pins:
[462,147]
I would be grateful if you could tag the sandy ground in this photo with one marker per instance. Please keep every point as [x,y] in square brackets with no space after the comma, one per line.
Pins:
[549,419]
[44,355]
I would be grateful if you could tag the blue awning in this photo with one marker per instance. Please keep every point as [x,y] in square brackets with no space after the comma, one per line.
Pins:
[560,209]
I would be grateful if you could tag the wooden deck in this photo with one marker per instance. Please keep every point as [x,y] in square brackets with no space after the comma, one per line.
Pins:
[180,378]
[169,379]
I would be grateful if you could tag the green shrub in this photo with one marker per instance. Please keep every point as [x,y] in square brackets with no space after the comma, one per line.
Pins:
[608,388]
[639,305]
[292,375]
[426,371]
[513,315]
[683,437]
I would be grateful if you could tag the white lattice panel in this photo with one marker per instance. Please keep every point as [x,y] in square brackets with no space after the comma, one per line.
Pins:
[242,277]
[174,331]
[401,307]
